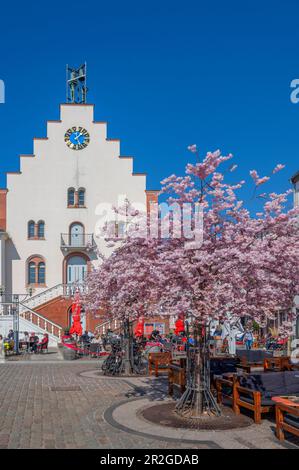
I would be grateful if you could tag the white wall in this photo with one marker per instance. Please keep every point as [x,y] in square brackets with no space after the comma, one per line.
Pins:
[296,193]
[40,191]
[3,237]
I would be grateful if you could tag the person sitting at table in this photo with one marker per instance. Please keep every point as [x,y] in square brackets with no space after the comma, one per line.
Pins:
[85,337]
[155,336]
[90,335]
[10,335]
[33,341]
[2,353]
[43,344]
[26,340]
[96,339]
[96,345]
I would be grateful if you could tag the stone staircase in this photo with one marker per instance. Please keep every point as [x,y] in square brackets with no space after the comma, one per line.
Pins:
[31,320]
[60,290]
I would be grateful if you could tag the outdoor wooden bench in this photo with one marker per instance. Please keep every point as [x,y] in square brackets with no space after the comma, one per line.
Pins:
[251,400]
[177,376]
[225,387]
[158,361]
[255,391]
[253,357]
[278,364]
[251,367]
[287,419]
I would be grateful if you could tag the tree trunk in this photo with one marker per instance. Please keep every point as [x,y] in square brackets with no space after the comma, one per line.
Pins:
[198,378]
[127,356]
[198,399]
[127,348]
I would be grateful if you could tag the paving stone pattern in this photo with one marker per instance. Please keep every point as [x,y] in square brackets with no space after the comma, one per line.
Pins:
[51,405]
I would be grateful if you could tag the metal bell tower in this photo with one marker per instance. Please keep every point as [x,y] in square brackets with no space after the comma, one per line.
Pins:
[76,89]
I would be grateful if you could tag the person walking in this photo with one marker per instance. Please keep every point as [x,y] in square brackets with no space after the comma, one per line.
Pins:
[248,339]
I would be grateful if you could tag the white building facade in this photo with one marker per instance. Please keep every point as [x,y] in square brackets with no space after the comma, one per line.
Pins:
[51,207]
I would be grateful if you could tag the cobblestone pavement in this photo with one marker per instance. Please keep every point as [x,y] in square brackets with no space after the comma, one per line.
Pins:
[51,405]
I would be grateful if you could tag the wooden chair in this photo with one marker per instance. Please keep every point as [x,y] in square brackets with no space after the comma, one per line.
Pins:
[43,348]
[287,419]
[225,387]
[158,361]
[256,403]
[255,391]
[177,376]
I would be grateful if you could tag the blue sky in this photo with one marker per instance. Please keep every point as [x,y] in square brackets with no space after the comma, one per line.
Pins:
[164,74]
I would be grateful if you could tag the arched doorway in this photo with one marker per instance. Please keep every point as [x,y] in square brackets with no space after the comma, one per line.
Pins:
[76,269]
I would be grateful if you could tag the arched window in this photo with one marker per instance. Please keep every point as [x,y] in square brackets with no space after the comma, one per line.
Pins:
[41,229]
[31,229]
[41,273]
[36,271]
[31,272]
[71,197]
[81,197]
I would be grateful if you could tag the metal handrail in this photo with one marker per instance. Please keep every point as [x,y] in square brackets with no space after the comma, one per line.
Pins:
[108,324]
[81,240]
[49,325]
[28,309]
[25,307]
[43,292]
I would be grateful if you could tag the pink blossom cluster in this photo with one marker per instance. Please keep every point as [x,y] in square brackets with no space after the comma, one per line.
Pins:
[246,265]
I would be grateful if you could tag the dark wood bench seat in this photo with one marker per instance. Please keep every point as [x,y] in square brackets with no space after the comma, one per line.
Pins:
[177,376]
[158,361]
[255,391]
[287,419]
[225,388]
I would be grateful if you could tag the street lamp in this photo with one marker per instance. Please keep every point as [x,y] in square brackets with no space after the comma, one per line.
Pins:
[30,291]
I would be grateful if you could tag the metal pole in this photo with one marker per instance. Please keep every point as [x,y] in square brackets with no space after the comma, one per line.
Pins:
[127,345]
[66,84]
[85,82]
[16,306]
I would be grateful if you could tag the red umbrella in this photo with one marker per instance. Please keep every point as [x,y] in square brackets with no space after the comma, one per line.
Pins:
[139,329]
[76,316]
[179,326]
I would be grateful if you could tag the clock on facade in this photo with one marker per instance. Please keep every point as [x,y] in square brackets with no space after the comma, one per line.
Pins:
[76,138]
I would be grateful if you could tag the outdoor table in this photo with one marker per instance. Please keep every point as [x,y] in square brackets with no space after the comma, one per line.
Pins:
[286,401]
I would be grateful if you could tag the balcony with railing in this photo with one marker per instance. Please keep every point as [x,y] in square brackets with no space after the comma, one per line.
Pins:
[77,241]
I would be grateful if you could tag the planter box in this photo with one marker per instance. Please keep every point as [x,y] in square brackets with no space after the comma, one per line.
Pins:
[68,354]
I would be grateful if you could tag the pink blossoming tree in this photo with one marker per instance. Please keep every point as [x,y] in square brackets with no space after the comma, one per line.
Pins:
[245,265]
